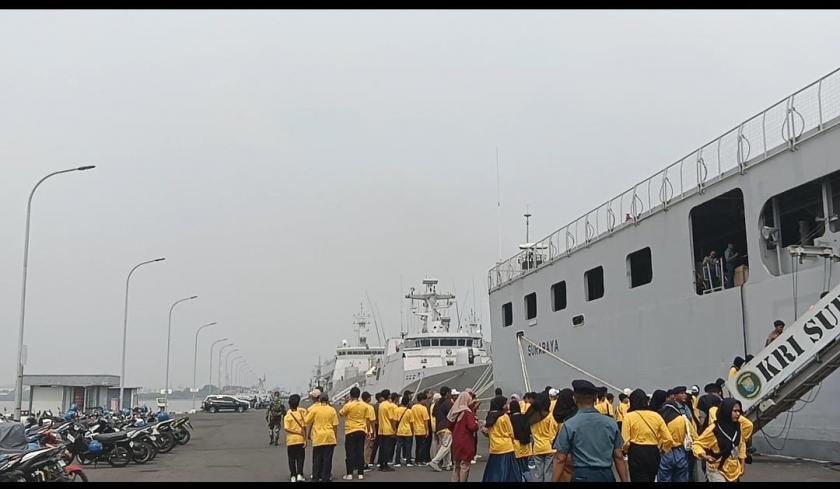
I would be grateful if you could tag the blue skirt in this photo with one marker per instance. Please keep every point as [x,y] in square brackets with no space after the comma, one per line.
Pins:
[502,468]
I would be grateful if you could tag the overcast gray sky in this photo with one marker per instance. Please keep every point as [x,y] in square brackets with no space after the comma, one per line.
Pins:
[285,162]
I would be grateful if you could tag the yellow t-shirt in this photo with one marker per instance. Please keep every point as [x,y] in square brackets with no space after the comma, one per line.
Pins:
[707,443]
[420,415]
[604,407]
[543,434]
[677,429]
[386,415]
[405,417]
[645,427]
[733,372]
[355,414]
[622,411]
[371,415]
[501,436]
[323,419]
[746,424]
[523,406]
[295,421]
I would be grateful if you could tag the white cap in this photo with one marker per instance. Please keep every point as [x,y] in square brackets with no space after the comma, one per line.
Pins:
[436,396]
[627,391]
[553,392]
[455,391]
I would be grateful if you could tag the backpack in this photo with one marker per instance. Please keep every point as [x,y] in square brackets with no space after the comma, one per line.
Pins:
[277,409]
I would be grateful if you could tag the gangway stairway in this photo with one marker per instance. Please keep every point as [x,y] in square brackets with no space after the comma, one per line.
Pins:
[787,369]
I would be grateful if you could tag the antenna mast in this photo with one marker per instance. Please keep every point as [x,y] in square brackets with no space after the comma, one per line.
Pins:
[527,224]
[499,204]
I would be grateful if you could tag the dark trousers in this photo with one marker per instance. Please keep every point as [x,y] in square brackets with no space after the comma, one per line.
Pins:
[354,447]
[322,457]
[422,449]
[403,451]
[643,462]
[591,474]
[296,455]
[386,449]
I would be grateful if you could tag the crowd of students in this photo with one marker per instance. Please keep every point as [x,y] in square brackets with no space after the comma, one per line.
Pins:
[572,434]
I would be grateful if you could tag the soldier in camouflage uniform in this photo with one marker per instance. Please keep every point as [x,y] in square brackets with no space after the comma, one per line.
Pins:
[274,416]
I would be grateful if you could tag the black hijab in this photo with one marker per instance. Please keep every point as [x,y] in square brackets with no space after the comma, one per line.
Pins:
[727,432]
[564,407]
[638,401]
[658,399]
[521,430]
[539,408]
[670,411]
[497,406]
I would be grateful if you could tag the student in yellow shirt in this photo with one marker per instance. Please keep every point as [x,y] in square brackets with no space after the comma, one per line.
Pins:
[323,422]
[623,406]
[522,449]
[674,465]
[501,464]
[294,424]
[405,433]
[645,437]
[387,431]
[565,408]
[356,420]
[543,432]
[370,438]
[601,401]
[736,366]
[722,444]
[420,426]
[610,405]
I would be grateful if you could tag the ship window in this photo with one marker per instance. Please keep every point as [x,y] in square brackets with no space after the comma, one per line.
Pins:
[507,313]
[594,283]
[435,342]
[558,296]
[462,342]
[448,342]
[715,225]
[425,343]
[801,214]
[639,268]
[469,343]
[531,305]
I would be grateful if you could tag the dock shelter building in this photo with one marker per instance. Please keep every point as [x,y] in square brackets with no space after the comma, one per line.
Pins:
[59,392]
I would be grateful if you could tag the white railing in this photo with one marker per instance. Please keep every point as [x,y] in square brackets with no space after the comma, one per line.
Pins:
[803,114]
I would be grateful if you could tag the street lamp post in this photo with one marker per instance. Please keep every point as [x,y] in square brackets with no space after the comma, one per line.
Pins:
[168,341]
[195,359]
[125,326]
[229,371]
[237,370]
[219,366]
[19,380]
[210,370]
[221,386]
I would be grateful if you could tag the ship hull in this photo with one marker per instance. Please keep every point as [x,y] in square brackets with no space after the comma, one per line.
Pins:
[664,333]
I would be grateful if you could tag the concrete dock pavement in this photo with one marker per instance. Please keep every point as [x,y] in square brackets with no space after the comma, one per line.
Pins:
[234,447]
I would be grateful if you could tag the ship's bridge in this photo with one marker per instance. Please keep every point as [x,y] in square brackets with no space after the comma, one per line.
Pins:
[445,340]
[359,351]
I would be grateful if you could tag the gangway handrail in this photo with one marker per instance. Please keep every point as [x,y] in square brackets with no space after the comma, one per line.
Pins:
[790,135]
[791,365]
[520,335]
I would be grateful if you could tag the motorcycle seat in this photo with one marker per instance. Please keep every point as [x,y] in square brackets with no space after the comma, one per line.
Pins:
[110,437]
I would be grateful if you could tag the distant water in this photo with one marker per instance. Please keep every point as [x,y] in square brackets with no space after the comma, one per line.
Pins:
[175,405]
